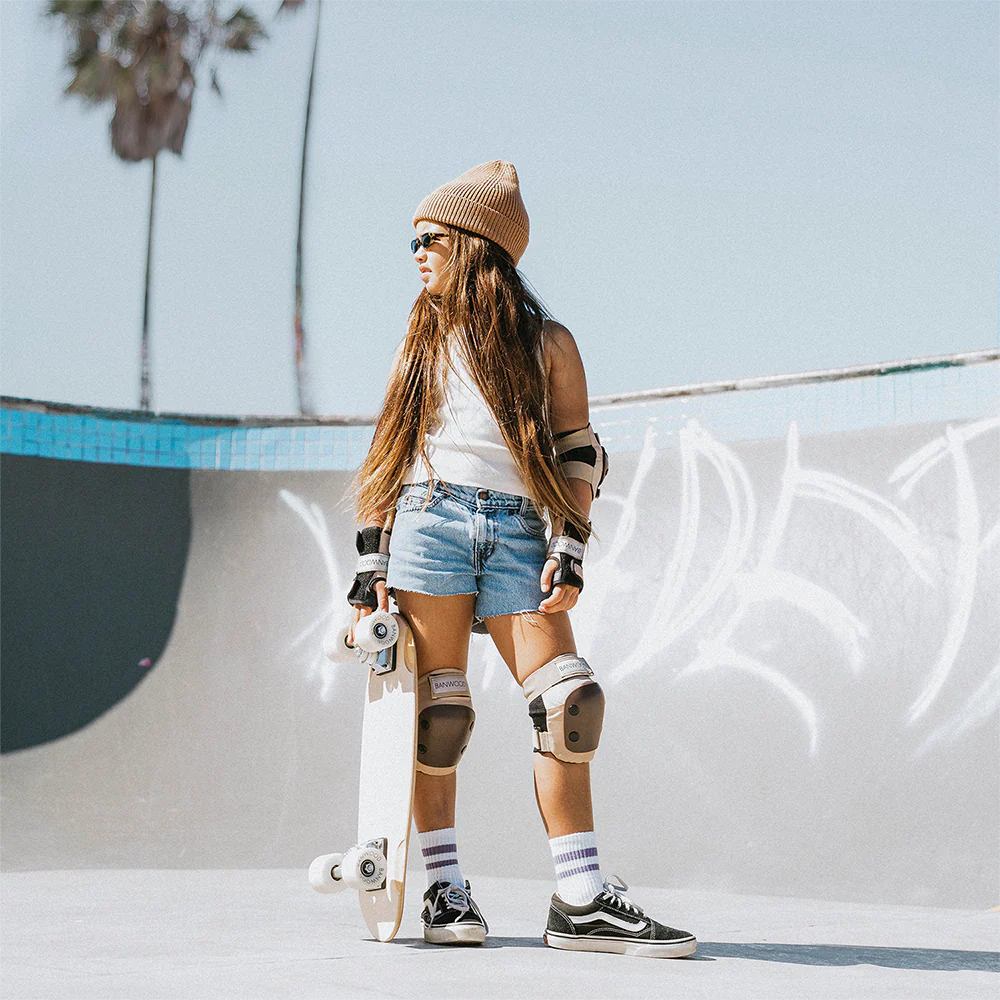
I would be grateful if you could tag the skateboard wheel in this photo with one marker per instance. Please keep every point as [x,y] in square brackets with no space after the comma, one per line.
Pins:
[376,631]
[325,874]
[364,868]
[335,645]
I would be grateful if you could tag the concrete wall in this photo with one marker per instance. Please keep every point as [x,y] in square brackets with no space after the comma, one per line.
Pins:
[797,638]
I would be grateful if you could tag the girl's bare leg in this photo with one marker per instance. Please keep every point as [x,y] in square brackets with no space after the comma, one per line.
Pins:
[441,630]
[562,790]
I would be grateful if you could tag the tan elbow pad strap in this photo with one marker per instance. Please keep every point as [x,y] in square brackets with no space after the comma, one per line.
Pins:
[582,456]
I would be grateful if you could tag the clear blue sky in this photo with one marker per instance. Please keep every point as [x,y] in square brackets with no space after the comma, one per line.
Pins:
[715,190]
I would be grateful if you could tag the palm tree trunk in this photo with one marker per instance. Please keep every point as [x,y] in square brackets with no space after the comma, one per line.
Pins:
[145,393]
[301,369]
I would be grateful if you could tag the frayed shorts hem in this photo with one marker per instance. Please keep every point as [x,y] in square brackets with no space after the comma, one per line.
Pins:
[429,593]
[463,593]
[522,611]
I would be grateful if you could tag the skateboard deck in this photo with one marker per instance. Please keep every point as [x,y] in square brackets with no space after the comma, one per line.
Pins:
[385,786]
[388,769]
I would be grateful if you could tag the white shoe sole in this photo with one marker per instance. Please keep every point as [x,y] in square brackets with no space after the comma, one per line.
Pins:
[455,934]
[619,946]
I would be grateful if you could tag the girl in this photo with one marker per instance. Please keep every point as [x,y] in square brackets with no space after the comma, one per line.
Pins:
[484,427]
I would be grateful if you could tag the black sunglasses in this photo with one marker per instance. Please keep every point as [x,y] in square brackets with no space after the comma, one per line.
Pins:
[425,241]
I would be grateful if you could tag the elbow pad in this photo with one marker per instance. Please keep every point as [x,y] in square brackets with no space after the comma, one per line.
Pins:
[582,456]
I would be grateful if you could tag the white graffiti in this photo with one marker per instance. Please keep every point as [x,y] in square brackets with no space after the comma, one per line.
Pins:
[308,640]
[971,548]
[749,571]
[764,582]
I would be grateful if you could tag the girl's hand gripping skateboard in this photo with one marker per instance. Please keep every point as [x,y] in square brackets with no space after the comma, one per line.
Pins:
[372,634]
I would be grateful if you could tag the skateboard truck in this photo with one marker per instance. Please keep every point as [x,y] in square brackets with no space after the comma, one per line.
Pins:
[370,867]
[363,867]
[377,633]
[386,662]
[375,636]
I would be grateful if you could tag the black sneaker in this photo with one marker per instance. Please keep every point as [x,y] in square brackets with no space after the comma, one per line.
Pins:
[612,922]
[450,916]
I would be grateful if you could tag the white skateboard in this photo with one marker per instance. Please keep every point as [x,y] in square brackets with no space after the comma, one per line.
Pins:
[376,865]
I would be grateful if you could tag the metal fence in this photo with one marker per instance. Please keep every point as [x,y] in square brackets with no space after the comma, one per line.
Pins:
[923,390]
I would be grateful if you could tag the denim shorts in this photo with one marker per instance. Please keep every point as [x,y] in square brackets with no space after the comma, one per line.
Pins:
[469,541]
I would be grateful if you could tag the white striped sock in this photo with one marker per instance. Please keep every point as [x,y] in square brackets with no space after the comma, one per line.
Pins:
[578,872]
[440,856]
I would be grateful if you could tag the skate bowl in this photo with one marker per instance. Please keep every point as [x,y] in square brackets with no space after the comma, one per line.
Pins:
[791,607]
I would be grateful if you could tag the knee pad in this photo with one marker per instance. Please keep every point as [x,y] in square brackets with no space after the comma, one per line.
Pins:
[444,720]
[566,706]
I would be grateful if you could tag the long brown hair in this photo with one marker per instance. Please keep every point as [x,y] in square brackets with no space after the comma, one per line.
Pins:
[497,322]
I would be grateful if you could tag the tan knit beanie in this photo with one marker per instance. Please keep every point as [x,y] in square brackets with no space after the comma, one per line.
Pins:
[485,200]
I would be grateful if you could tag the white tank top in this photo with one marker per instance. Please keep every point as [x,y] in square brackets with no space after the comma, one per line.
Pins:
[466,446]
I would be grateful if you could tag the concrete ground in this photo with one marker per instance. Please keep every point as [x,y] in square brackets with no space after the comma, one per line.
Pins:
[82,935]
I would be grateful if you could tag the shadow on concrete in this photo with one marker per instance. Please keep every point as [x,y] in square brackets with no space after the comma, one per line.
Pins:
[491,942]
[928,959]
[933,959]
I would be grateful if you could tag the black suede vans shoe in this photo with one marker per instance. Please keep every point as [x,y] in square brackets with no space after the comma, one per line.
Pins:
[612,922]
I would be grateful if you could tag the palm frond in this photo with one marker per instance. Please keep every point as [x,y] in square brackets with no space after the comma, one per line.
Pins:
[242,27]
[74,9]
[99,77]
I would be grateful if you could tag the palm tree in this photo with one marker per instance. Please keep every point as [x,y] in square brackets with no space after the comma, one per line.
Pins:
[142,55]
[301,369]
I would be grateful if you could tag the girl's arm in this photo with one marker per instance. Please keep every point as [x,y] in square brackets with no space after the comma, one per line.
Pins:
[375,542]
[569,412]
[568,394]
[373,521]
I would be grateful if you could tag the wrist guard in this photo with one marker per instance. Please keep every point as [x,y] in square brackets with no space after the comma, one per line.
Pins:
[373,564]
[567,549]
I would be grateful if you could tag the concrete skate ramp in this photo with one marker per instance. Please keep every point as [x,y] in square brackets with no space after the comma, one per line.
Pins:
[796,636]
[230,935]
[94,557]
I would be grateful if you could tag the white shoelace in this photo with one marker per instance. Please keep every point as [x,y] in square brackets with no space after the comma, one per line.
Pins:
[614,893]
[456,897]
